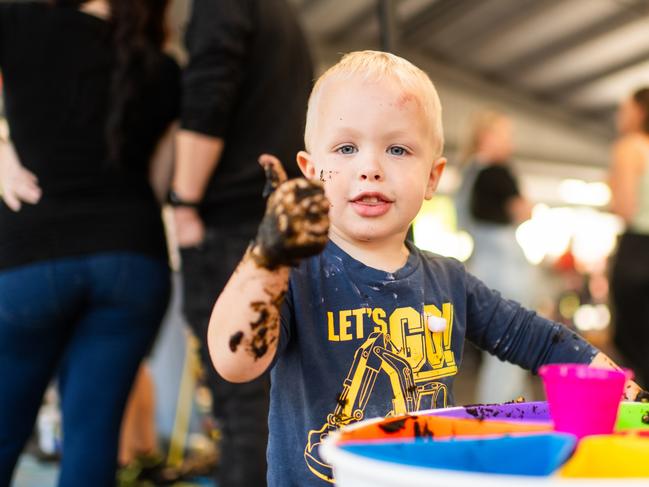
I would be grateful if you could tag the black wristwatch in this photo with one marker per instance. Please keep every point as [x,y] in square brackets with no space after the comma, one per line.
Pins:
[176,201]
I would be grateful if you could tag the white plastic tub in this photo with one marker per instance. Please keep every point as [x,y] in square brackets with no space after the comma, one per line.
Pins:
[354,470]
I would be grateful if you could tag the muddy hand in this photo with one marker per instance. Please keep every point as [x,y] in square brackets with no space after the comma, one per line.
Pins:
[296,222]
[275,173]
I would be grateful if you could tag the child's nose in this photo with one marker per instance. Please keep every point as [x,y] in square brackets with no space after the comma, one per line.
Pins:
[371,170]
[371,175]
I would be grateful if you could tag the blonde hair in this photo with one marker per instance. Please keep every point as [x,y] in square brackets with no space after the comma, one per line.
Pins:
[481,122]
[373,66]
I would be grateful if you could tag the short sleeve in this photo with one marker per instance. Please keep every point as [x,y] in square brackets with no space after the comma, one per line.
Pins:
[494,187]
[217,40]
[171,90]
[6,13]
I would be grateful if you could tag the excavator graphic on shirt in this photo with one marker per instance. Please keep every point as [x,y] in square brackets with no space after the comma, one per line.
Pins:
[411,356]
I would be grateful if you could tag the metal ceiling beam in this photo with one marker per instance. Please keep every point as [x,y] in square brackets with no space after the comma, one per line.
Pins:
[504,89]
[629,11]
[352,24]
[307,4]
[511,18]
[389,29]
[578,83]
[506,18]
[437,15]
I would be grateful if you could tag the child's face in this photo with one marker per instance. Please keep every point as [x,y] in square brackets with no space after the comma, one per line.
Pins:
[374,150]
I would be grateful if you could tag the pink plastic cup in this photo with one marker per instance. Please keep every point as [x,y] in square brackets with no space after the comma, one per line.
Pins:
[583,400]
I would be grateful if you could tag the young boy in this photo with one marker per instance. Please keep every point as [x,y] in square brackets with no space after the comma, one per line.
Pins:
[371,325]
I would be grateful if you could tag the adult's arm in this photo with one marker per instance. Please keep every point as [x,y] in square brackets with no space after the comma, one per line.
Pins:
[162,162]
[626,167]
[216,40]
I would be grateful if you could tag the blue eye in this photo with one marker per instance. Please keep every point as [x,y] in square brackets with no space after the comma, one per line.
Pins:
[347,149]
[397,151]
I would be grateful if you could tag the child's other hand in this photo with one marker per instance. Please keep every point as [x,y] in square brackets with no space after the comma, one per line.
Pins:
[632,391]
[296,223]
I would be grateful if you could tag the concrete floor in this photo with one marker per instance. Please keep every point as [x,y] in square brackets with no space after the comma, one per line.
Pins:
[31,473]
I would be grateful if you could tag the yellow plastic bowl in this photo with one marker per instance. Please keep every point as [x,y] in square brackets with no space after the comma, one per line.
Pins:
[610,456]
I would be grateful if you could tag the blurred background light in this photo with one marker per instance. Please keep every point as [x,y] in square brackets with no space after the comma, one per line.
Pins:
[590,317]
[435,230]
[588,233]
[579,192]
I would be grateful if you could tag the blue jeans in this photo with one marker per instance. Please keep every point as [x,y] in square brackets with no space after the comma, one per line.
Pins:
[91,319]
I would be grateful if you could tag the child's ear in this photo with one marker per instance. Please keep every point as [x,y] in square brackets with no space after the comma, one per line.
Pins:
[305,162]
[434,177]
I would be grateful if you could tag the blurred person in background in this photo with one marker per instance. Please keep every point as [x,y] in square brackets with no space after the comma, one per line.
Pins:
[629,181]
[84,282]
[245,93]
[490,206]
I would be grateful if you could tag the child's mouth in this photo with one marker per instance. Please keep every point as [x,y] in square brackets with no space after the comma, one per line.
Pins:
[371,204]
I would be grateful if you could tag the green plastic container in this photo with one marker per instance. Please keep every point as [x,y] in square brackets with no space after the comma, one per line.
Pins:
[632,416]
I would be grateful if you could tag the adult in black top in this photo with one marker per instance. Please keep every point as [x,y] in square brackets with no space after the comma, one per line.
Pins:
[84,280]
[494,190]
[57,68]
[245,93]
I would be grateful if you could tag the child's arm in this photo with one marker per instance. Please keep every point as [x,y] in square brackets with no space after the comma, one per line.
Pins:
[245,323]
[517,335]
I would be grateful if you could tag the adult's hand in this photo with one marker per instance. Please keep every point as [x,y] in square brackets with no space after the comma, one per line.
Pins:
[189,227]
[17,184]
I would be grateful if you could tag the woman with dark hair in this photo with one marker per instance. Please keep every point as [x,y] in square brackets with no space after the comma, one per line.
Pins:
[629,180]
[91,101]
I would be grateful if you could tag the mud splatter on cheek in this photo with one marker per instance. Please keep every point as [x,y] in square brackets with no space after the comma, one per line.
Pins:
[330,174]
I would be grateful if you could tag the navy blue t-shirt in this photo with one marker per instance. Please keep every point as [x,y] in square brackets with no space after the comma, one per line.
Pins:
[354,345]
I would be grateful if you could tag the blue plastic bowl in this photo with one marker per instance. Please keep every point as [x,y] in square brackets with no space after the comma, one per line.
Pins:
[536,455]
